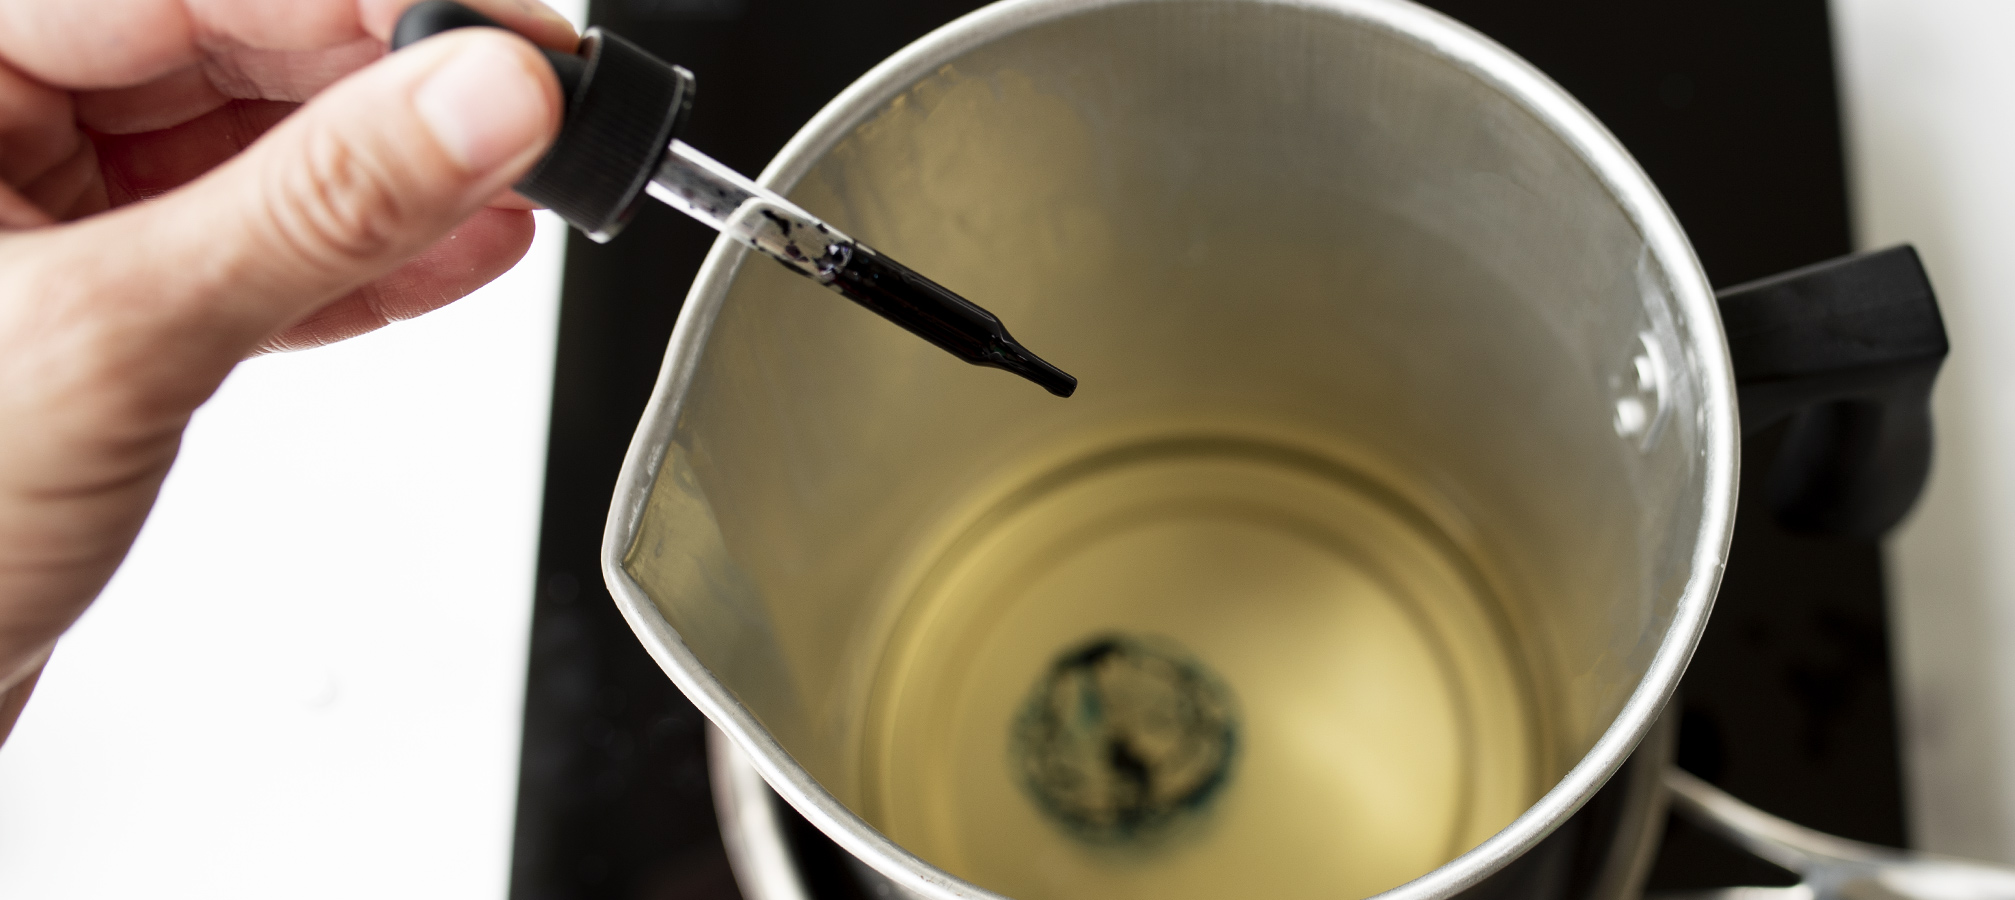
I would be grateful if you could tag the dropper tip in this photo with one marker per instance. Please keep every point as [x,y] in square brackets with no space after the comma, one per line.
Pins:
[1018,360]
[1063,384]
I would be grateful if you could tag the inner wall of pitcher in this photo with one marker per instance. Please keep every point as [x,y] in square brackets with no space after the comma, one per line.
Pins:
[1349,545]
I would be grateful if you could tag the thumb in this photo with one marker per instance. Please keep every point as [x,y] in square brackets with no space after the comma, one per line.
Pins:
[115,327]
[370,172]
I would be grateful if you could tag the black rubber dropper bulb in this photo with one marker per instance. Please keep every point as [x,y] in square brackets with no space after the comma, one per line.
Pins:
[617,145]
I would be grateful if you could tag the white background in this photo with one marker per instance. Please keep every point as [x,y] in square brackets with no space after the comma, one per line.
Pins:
[306,680]
[1930,89]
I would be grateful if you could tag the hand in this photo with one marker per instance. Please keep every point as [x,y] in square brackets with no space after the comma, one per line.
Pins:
[184,183]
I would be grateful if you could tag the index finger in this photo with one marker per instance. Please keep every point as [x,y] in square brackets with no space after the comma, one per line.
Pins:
[110,44]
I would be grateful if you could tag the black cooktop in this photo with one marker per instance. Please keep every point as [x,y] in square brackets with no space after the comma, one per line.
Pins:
[1731,107]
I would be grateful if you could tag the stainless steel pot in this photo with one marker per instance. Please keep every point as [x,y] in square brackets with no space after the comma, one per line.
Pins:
[1347,248]
[1604,852]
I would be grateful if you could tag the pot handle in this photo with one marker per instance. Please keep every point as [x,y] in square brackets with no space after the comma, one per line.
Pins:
[1830,868]
[1847,350]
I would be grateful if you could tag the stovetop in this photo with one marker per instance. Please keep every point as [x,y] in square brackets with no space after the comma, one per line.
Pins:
[1729,105]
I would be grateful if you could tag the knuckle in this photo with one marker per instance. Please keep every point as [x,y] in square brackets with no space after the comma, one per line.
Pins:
[337,205]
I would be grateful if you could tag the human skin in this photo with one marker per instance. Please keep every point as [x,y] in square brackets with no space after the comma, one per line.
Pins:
[185,183]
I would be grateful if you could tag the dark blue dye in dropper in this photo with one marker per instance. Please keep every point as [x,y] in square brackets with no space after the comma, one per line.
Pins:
[923,307]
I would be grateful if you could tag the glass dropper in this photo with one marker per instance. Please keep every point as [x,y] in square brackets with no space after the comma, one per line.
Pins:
[695,184]
[617,143]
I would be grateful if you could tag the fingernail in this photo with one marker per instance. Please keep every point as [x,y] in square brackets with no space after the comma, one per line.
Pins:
[483,106]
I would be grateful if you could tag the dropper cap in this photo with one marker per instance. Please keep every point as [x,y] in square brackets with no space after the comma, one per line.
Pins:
[623,108]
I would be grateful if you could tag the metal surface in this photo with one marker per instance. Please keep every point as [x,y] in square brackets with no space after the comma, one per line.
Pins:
[750,827]
[1831,868]
[1787,701]
[1612,851]
[1479,161]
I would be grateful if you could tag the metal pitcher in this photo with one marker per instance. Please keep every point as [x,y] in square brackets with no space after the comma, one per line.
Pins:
[1361,303]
